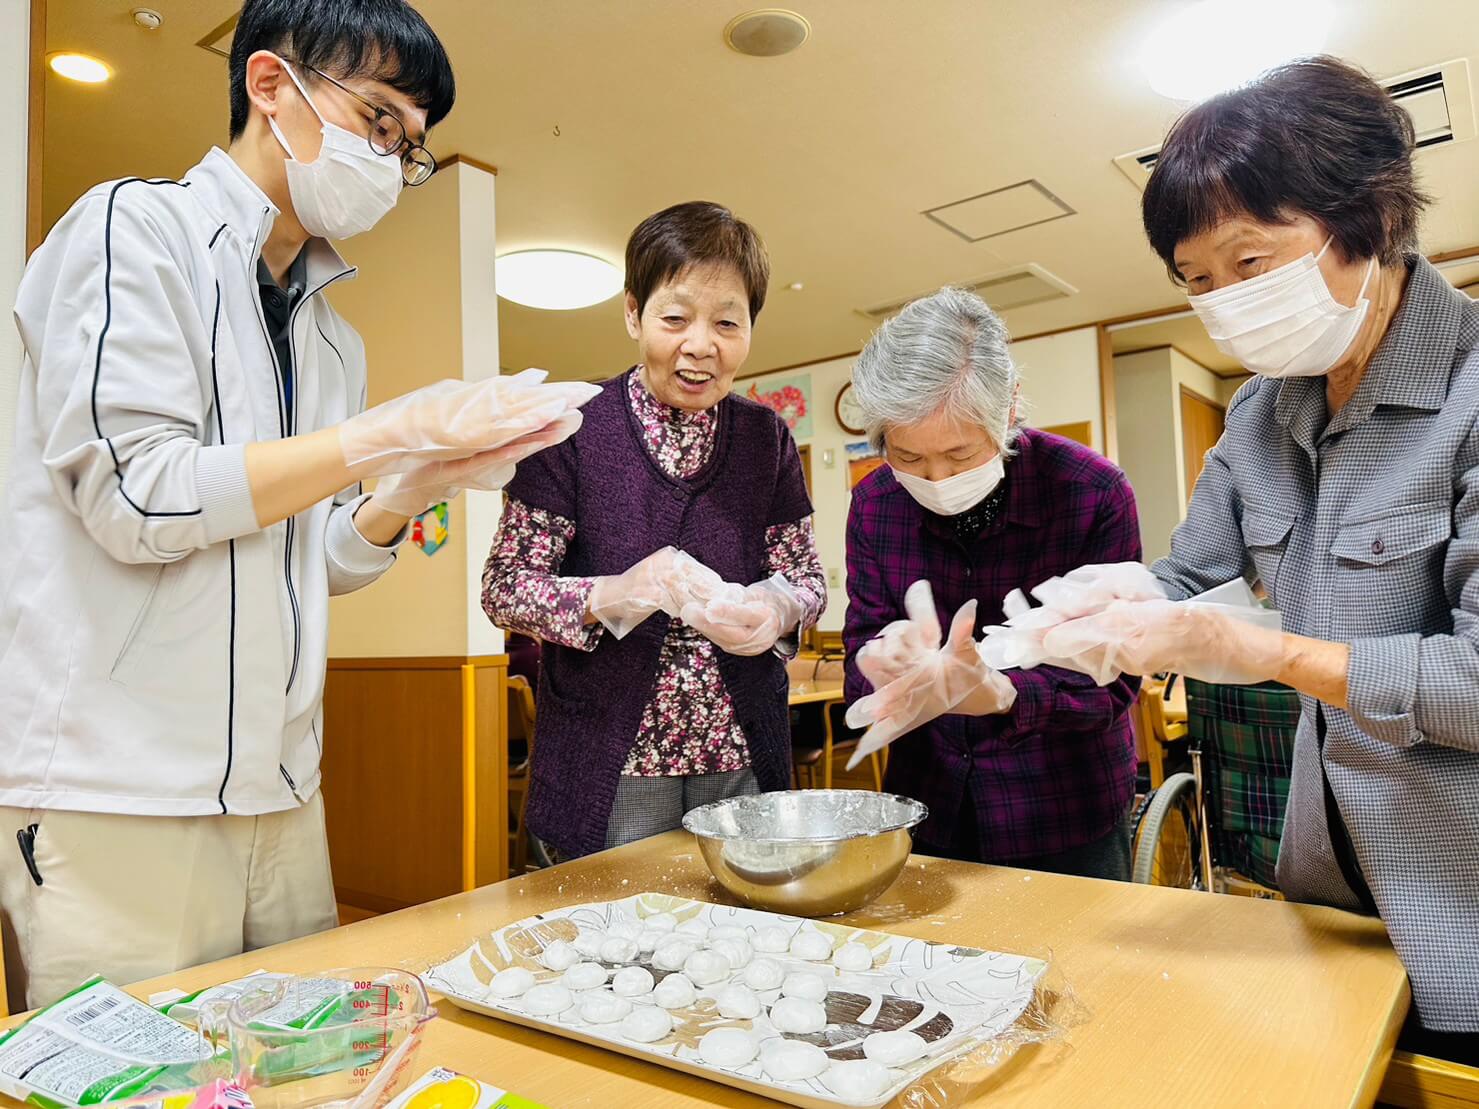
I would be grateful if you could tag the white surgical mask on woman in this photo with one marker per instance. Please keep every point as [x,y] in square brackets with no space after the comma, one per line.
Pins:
[1284,323]
[956,493]
[348,188]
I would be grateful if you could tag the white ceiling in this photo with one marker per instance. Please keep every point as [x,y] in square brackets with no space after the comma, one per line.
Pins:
[893,108]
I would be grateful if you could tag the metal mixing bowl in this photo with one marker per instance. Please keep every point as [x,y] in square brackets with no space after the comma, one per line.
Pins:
[808,852]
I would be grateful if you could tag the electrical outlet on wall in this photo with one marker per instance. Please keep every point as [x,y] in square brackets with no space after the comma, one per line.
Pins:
[834,578]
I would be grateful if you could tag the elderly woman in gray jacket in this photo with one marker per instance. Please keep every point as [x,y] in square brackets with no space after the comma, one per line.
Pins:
[1347,481]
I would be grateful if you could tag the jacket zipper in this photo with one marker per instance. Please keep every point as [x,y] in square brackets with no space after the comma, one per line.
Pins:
[287,425]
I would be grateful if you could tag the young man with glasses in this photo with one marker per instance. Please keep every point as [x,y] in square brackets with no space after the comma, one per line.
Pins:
[185,497]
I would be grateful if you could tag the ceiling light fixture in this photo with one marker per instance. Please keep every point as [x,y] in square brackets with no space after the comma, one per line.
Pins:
[767,32]
[1210,46]
[79,67]
[556,280]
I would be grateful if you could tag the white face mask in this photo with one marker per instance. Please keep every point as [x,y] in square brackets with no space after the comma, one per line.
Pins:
[348,188]
[1284,323]
[955,494]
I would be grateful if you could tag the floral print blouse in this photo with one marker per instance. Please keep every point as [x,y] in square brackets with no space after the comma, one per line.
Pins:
[688,725]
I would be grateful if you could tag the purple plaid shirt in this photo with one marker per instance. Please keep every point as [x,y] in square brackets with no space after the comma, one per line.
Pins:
[1058,770]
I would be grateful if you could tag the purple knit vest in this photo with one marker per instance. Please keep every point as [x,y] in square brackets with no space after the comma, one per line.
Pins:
[625,508]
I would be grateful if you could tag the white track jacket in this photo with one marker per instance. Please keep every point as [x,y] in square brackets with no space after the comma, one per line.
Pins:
[161,654]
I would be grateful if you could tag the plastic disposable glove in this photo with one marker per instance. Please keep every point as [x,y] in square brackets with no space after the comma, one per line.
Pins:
[928,678]
[664,581]
[749,623]
[456,419]
[413,492]
[1211,642]
[1019,642]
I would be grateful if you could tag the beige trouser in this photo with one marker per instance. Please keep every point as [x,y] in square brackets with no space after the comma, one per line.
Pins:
[131,897]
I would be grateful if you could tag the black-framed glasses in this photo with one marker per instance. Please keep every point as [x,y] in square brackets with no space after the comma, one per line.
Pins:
[388,135]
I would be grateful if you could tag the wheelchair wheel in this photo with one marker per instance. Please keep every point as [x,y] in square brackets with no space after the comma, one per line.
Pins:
[1167,841]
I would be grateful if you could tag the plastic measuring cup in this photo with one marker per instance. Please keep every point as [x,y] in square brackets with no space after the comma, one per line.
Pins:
[343,1037]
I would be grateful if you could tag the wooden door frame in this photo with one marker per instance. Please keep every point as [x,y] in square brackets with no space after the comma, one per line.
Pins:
[1184,391]
[803,451]
[1213,401]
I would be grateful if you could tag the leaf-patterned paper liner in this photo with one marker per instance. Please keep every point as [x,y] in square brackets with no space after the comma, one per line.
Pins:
[690,1025]
[953,997]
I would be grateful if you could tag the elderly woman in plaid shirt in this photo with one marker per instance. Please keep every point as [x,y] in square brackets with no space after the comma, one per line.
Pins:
[1036,768]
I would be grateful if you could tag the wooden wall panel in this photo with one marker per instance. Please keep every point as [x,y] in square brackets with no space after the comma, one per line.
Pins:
[392,769]
[400,736]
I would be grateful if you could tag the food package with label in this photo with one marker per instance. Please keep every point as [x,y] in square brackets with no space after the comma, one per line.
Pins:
[97,1044]
[440,1088]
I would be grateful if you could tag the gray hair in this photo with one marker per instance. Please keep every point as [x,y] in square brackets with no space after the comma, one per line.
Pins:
[946,351]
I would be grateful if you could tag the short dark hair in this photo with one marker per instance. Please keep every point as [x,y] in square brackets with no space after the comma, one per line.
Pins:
[1316,137]
[695,233]
[384,40]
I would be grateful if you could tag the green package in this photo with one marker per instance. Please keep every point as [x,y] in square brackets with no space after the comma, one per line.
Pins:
[97,1044]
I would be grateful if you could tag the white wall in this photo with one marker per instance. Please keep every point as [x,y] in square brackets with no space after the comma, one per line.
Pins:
[1060,380]
[1148,412]
[481,511]
[432,258]
[1149,453]
[14,79]
[1060,383]
[1227,386]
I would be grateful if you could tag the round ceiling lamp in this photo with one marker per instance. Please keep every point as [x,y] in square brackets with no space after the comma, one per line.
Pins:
[1210,46]
[556,280]
[79,67]
[767,32]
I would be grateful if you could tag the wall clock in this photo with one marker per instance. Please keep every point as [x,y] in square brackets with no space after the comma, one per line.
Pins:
[849,412]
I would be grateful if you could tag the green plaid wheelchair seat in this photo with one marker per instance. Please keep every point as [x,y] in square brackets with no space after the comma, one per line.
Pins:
[1246,735]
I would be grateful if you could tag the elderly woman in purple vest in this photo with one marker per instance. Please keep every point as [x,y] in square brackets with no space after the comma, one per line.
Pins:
[665,556]
[1035,768]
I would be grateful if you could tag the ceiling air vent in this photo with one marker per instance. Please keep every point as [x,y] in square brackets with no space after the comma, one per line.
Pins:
[218,39]
[1013,288]
[987,215]
[1439,99]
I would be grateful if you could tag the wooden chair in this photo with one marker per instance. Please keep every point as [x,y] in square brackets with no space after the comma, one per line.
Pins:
[833,726]
[804,763]
[1152,728]
[837,740]
[520,727]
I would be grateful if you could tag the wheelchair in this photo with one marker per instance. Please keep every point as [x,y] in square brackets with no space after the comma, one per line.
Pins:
[1219,779]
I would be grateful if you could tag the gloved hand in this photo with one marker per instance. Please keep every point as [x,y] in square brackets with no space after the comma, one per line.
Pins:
[748,623]
[413,492]
[456,419]
[1089,589]
[1209,642]
[665,581]
[923,677]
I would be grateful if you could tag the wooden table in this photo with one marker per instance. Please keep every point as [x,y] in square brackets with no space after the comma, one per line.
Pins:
[1182,999]
[816,691]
